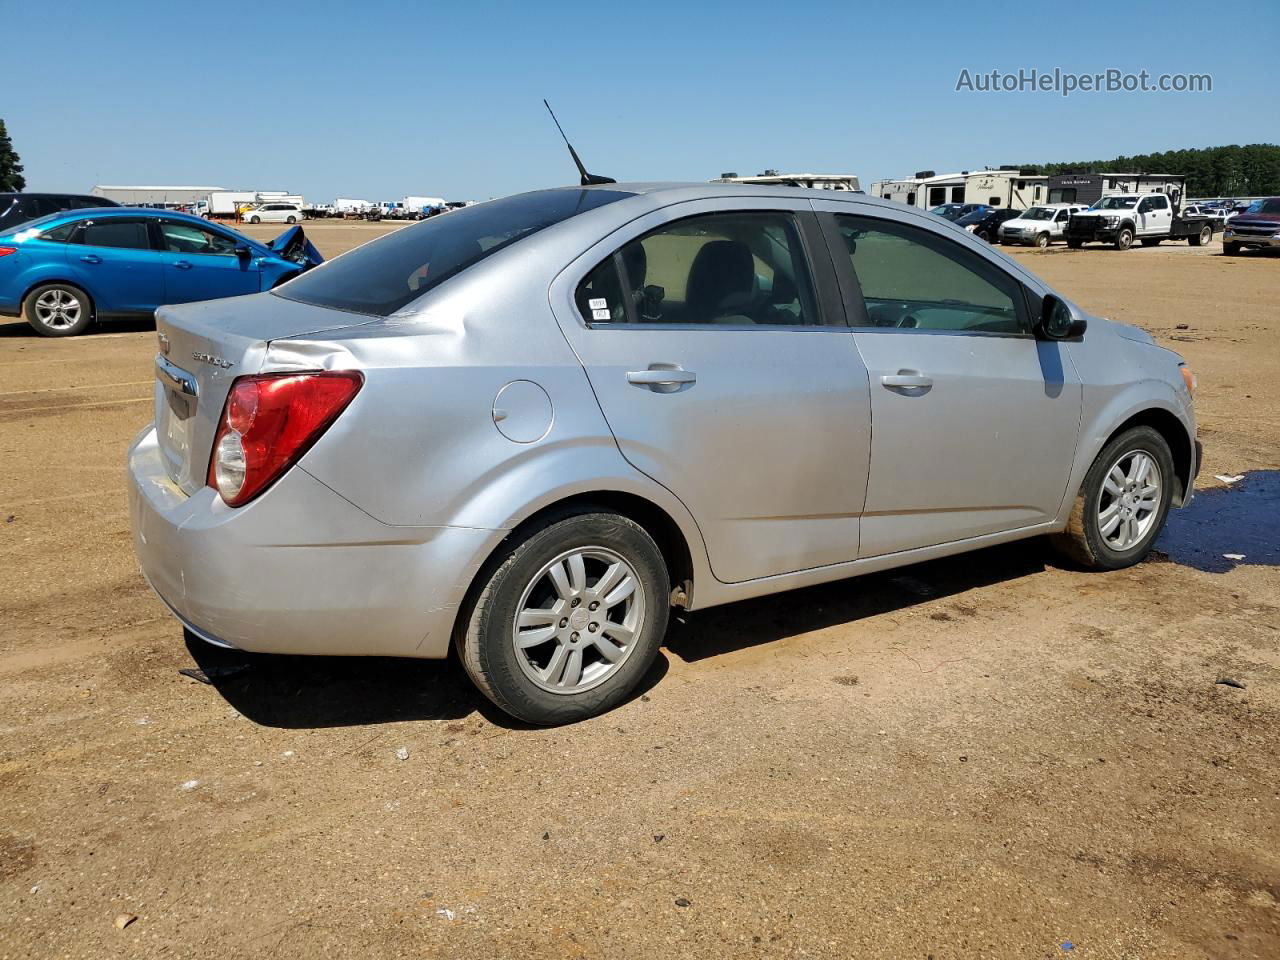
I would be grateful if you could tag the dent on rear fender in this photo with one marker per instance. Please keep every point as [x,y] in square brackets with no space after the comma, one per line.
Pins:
[284,355]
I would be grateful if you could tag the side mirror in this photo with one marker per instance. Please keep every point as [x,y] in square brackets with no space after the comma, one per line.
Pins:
[243,252]
[1058,322]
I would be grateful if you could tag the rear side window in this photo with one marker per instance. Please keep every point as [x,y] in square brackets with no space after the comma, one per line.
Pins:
[386,274]
[128,234]
[913,278]
[735,269]
[62,233]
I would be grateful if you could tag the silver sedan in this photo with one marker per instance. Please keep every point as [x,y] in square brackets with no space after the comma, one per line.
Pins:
[529,429]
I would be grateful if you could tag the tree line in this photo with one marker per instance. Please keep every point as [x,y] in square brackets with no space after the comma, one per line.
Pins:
[1232,171]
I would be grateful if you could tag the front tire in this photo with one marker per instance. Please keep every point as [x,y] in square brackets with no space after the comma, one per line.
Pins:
[1122,504]
[1042,241]
[1124,239]
[1075,244]
[1230,249]
[255,219]
[568,620]
[58,310]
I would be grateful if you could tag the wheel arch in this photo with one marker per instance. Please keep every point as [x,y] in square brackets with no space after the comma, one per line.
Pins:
[45,281]
[1175,434]
[657,522]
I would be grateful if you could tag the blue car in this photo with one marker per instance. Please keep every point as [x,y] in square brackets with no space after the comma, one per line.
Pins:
[65,271]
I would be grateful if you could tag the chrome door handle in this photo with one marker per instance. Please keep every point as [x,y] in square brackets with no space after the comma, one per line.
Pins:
[899,381]
[661,378]
[91,258]
[182,264]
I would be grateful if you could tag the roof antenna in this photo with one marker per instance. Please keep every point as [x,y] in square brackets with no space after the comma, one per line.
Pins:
[587,178]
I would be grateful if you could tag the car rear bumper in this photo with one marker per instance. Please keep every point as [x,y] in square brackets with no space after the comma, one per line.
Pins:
[299,570]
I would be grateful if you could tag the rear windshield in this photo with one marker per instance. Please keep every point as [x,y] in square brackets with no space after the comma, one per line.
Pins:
[382,276]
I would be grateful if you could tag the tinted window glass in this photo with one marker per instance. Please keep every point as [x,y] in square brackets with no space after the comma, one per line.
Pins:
[131,234]
[914,279]
[724,268]
[188,238]
[61,234]
[385,274]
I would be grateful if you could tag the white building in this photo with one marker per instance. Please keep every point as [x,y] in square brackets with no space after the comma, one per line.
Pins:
[154,196]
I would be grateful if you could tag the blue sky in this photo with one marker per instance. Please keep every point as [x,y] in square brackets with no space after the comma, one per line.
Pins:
[379,99]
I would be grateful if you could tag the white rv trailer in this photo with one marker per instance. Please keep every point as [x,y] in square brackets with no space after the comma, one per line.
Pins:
[1005,188]
[817,181]
[925,190]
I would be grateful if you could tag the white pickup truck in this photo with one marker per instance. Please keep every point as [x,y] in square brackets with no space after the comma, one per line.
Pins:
[1040,225]
[1121,218]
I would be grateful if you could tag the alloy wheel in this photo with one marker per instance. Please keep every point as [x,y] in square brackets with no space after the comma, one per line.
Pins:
[58,309]
[578,620]
[1130,500]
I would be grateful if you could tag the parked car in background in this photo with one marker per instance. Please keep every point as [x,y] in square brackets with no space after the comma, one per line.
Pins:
[64,272]
[985,224]
[508,430]
[16,208]
[954,211]
[1206,211]
[273,213]
[1040,225]
[1258,228]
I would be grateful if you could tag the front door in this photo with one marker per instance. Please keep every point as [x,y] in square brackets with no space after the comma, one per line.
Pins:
[201,263]
[975,420]
[1155,215]
[723,364]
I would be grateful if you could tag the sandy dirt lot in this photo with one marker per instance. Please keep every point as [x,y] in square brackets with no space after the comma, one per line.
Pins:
[987,756]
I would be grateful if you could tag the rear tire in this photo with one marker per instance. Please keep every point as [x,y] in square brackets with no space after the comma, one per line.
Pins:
[520,638]
[1109,530]
[1201,238]
[58,310]
[291,220]
[1075,244]
[1124,239]
[983,236]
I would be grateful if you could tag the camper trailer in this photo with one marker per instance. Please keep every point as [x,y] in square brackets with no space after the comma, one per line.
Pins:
[816,181]
[1088,188]
[1007,187]
[925,190]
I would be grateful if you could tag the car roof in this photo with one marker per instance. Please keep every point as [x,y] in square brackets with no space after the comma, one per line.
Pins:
[102,213]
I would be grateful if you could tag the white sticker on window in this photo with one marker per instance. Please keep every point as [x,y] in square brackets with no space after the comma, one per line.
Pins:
[595,303]
[601,315]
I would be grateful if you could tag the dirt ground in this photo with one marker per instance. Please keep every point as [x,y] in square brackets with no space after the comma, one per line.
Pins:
[986,756]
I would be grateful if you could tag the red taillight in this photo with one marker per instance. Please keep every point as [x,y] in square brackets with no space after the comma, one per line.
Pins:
[5,251]
[269,421]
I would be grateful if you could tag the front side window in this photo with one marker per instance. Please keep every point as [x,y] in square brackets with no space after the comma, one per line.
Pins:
[188,238]
[917,280]
[127,234]
[384,275]
[735,269]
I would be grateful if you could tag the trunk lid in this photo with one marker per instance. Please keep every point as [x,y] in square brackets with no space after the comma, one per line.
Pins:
[203,348]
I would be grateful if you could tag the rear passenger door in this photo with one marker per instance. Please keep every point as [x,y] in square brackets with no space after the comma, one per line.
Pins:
[112,259]
[975,421]
[715,342]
